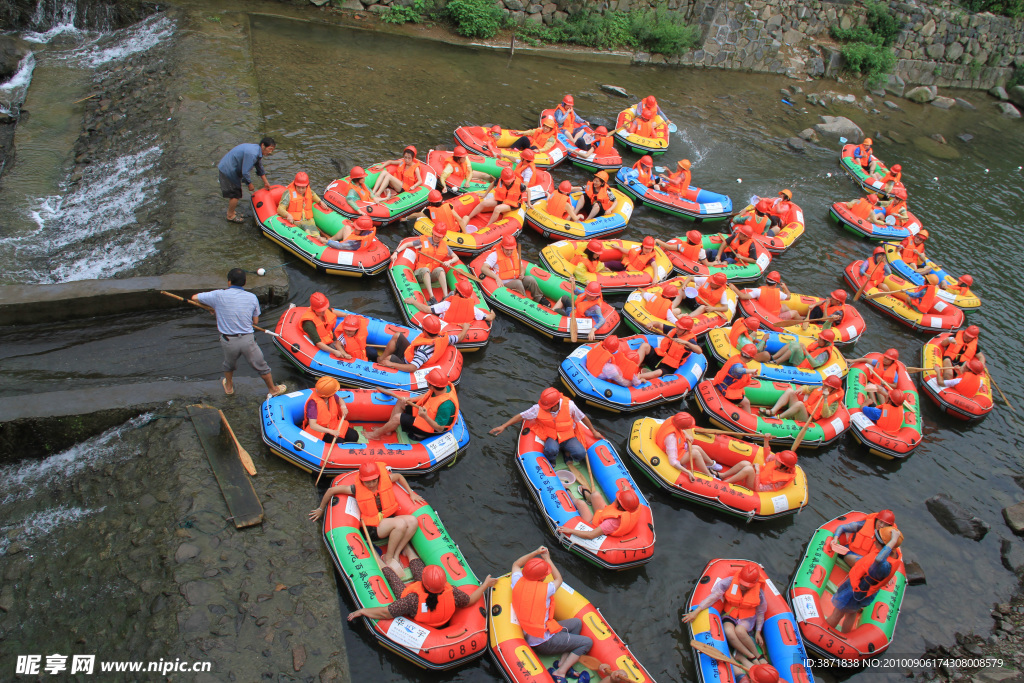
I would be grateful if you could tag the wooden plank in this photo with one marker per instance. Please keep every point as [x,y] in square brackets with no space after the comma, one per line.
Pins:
[243,504]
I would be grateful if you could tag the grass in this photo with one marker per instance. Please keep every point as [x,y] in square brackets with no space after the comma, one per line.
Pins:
[652,30]
[1007,8]
[867,49]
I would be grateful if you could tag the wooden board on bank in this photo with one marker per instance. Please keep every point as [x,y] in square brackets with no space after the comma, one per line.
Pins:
[243,504]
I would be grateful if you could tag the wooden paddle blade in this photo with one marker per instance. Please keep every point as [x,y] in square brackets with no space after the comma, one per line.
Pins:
[243,454]
[800,437]
[708,650]
[592,663]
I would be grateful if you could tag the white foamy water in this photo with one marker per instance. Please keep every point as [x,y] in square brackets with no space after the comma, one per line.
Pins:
[38,525]
[12,93]
[132,40]
[61,21]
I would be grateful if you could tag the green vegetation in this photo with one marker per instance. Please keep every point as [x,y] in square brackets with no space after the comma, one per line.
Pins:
[867,49]
[1017,78]
[653,30]
[1009,8]
[475,18]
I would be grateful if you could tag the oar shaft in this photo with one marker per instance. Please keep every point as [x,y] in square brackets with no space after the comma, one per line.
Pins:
[210,309]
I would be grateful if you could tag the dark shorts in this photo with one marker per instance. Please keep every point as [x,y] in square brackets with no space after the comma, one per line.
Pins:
[372,531]
[230,188]
[406,419]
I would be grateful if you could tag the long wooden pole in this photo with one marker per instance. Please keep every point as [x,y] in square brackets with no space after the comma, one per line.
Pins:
[800,437]
[243,454]
[863,285]
[327,456]
[574,332]
[471,276]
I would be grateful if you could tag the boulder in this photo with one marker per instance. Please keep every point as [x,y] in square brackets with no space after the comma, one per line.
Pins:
[846,99]
[615,90]
[895,85]
[809,135]
[920,94]
[943,102]
[796,144]
[1011,555]
[1016,94]
[936,51]
[1014,516]
[954,518]
[915,575]
[839,127]
[999,92]
[998,674]
[352,5]
[954,52]
[892,105]
[1008,109]
[12,50]
[965,104]
[938,138]
[896,137]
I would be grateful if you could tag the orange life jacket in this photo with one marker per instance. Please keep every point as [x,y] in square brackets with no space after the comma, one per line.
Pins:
[925,303]
[811,400]
[770,299]
[637,260]
[460,309]
[863,541]
[679,182]
[745,249]
[888,374]
[894,207]
[407,173]
[643,176]
[430,404]
[602,197]
[603,145]
[710,295]
[441,614]
[892,177]
[690,252]
[445,217]
[876,271]
[583,304]
[459,172]
[734,392]
[642,127]
[861,581]
[366,239]
[671,350]
[520,169]
[597,358]
[863,209]
[325,327]
[328,414]
[865,157]
[300,206]
[512,195]
[366,498]
[659,307]
[627,520]
[626,365]
[891,420]
[557,205]
[440,343]
[738,330]
[361,189]
[911,252]
[427,249]
[569,122]
[960,350]
[969,384]
[558,426]
[541,137]
[812,350]
[667,429]
[534,611]
[740,605]
[770,476]
[355,345]
[508,266]
[759,224]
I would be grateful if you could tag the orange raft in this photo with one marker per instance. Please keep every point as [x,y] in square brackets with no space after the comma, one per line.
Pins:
[791,220]
[952,402]
[847,331]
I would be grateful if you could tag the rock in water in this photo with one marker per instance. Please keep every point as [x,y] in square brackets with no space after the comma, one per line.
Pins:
[615,90]
[915,575]
[955,519]
[920,94]
[796,144]
[839,127]
[999,92]
[1011,555]
[1008,109]
[943,102]
[1014,516]
[809,135]
[1016,94]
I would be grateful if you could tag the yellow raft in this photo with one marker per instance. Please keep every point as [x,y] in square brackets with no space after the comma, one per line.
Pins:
[610,223]
[561,258]
[636,314]
[719,346]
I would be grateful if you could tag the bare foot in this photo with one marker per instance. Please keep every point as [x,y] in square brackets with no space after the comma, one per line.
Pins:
[396,566]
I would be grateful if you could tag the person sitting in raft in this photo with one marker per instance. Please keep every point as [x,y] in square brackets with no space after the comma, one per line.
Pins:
[596,197]
[459,166]
[745,331]
[559,204]
[540,139]
[865,579]
[296,204]
[645,173]
[962,286]
[526,169]
[587,304]
[428,600]
[589,264]
[890,178]
[426,351]
[897,205]
[459,308]
[770,295]
[555,419]
[355,234]
[598,143]
[912,251]
[616,519]
[866,208]
[533,599]
[408,175]
[432,412]
[922,298]
[442,215]
[639,257]
[375,495]
[887,416]
[830,310]
[505,264]
[735,376]
[691,249]
[783,206]
[760,673]
[566,117]
[507,194]
[743,610]
[678,182]
[969,381]
[853,540]
[880,374]
[359,191]
[959,349]
[675,438]
[862,156]
[778,472]
[353,338]
[807,403]
[712,294]
[324,415]
[813,355]
[490,143]
[663,305]
[612,362]
[879,269]
[760,221]
[645,124]
[319,322]
[676,346]
[739,247]
[432,258]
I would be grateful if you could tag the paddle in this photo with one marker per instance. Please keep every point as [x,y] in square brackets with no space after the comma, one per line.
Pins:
[871,369]
[327,456]
[591,662]
[574,332]
[856,297]
[799,321]
[800,437]
[579,475]
[706,649]
[889,293]
[469,275]
[210,309]
[370,546]
[726,432]
[243,454]
[1005,400]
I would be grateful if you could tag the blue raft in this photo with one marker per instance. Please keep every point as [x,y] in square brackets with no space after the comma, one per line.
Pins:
[696,204]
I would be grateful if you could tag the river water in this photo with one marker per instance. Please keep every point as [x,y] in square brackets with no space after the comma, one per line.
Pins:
[335,97]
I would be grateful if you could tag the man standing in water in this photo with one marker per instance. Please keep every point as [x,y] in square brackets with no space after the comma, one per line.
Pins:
[236,166]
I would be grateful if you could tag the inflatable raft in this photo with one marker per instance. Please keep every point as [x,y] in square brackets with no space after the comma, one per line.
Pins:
[638,143]
[463,639]
[540,316]
[736,273]
[474,138]
[700,206]
[367,409]
[728,415]
[845,218]
[673,385]
[612,222]
[884,444]
[404,285]
[951,402]
[371,259]
[941,318]
[966,300]
[555,499]
[605,162]
[305,355]
[704,490]
[868,182]
[457,184]
[561,258]
[792,221]
[642,320]
[485,236]
[818,577]
[340,196]
[782,644]
[719,346]
[520,664]
[847,332]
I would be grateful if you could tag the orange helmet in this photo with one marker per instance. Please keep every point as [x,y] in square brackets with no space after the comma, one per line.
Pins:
[368,471]
[565,187]
[528,154]
[436,378]
[319,302]
[683,421]
[749,575]
[595,246]
[357,172]
[351,323]
[787,458]
[627,499]
[611,343]
[752,324]
[670,291]
[600,130]
[459,151]
[749,350]
[685,323]
[648,242]
[507,175]
[464,288]
[550,397]
[839,295]
[593,289]
[976,366]
[434,197]
[833,381]
[535,569]
[827,335]
[410,148]
[892,354]
[693,237]
[646,160]
[568,100]
[897,397]
[431,324]
[363,223]
[508,242]
[683,163]
[327,386]
[302,178]
[434,579]
[719,278]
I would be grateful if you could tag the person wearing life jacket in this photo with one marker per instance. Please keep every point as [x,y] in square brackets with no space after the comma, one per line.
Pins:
[614,362]
[831,309]
[508,195]
[324,414]
[678,182]
[912,251]
[567,118]
[675,438]
[809,356]
[458,172]
[897,206]
[959,349]
[589,264]
[891,178]
[808,403]
[460,307]
[853,540]
[433,257]
[559,204]
[867,576]
[374,492]
[691,249]
[770,296]
[540,139]
[640,257]
[969,382]
[760,220]
[526,169]
[426,350]
[745,331]
[645,173]
[739,247]
[555,420]
[355,235]
[597,199]
[358,191]
[490,142]
[533,601]
[675,346]
[352,341]
[663,305]
[743,608]
[442,214]
[735,376]
[429,599]
[782,205]
[319,323]
[862,156]
[505,264]
[963,285]
[876,267]
[712,294]
[431,413]
[646,123]
[408,176]
[589,304]
[924,298]
[778,472]
[866,208]
[887,416]
[596,144]
[296,204]
[879,373]
[761,673]
[617,519]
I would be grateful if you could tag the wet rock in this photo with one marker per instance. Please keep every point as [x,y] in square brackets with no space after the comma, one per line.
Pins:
[954,518]
[997,675]
[12,50]
[1016,94]
[915,575]
[615,90]
[330,673]
[298,657]
[1008,110]
[999,92]
[839,127]
[185,552]
[1014,516]
[966,137]
[198,592]
[964,104]
[935,148]
[921,94]
[796,144]
[943,102]
[892,105]
[938,138]
[192,623]
[809,135]
[846,99]
[146,501]
[895,85]
[1011,555]
[6,598]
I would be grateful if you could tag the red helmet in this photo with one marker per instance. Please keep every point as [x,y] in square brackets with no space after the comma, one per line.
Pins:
[897,397]
[683,421]
[439,232]
[410,148]
[593,289]
[749,350]
[301,178]
[550,397]
[972,331]
[319,302]
[872,198]
[976,366]
[368,471]
[966,280]
[719,278]
[495,128]
[900,193]
[878,251]
[528,154]
[685,323]
[773,277]
[892,354]
[764,206]
[646,160]
[627,499]
[568,100]
[763,673]
[434,197]
[595,246]
[507,175]
[833,381]
[749,575]
[648,113]
[745,230]
[351,323]
[650,101]
[923,233]
[459,151]
[839,295]
[434,579]
[648,242]
[436,378]
[508,242]
[693,237]
[752,323]
[464,288]
[827,335]
[364,223]
[535,569]
[600,130]
[886,517]
[670,291]
[611,342]
[787,458]
[431,324]
[896,167]
[565,187]
[357,172]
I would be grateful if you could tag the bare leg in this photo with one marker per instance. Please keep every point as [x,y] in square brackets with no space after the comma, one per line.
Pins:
[597,502]
[409,531]
[482,206]
[438,275]
[390,347]
[742,473]
[744,404]
[796,411]
[783,354]
[784,400]
[947,369]
[499,210]
[268,379]
[229,384]
[232,205]
[392,528]
[391,425]
[568,659]
[739,640]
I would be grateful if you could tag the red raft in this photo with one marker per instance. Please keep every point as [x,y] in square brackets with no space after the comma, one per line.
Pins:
[847,331]
[952,402]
